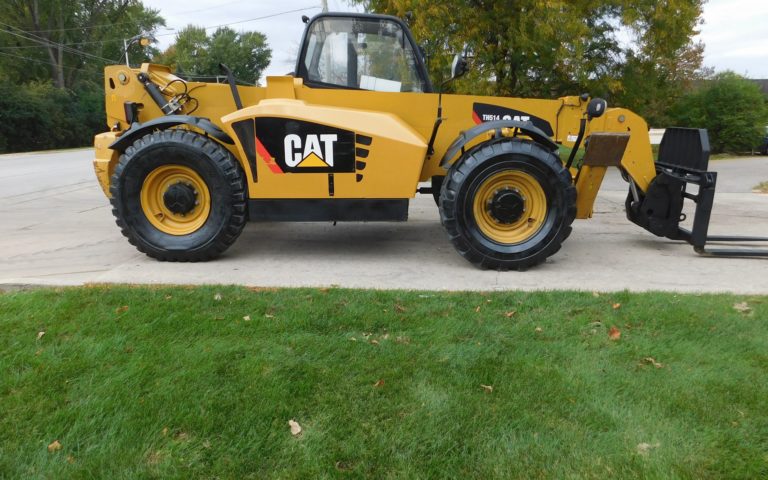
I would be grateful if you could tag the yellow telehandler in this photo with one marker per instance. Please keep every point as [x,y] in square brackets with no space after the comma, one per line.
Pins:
[351,134]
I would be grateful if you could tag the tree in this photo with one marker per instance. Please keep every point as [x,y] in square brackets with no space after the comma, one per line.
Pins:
[196,54]
[65,40]
[532,48]
[730,107]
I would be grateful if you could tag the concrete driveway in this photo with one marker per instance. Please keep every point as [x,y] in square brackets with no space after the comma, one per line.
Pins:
[56,228]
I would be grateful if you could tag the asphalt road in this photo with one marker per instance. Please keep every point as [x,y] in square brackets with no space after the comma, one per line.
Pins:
[56,228]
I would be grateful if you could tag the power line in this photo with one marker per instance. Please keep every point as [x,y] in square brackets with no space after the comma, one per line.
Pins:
[47,63]
[69,29]
[48,43]
[164,34]
[91,42]
[250,19]
[209,8]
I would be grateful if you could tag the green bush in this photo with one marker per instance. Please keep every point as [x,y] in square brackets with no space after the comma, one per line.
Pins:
[39,116]
[730,107]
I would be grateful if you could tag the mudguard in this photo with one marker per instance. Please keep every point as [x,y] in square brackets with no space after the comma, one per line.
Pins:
[467,136]
[161,123]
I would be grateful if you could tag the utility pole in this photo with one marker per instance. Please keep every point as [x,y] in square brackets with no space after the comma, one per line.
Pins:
[324,4]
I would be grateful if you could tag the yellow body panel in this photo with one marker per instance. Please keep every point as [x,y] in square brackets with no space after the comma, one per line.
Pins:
[587,186]
[105,159]
[400,123]
[392,166]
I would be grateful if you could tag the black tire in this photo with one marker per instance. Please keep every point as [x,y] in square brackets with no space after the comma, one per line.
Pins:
[478,165]
[437,185]
[212,163]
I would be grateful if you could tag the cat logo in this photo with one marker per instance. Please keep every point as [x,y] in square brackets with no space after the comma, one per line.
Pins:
[297,146]
[316,151]
[484,112]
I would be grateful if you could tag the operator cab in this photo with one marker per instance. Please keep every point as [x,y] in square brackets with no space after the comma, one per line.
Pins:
[361,52]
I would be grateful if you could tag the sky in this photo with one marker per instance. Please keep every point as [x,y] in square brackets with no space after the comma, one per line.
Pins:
[735,32]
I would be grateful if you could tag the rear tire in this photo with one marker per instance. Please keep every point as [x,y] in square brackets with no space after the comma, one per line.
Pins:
[507,204]
[179,196]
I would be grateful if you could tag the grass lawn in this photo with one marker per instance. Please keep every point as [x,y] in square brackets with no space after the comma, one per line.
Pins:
[201,383]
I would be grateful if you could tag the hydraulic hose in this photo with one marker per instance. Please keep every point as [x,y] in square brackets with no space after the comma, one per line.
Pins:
[156,95]
[577,144]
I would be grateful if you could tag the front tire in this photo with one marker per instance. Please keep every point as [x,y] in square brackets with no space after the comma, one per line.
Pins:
[179,196]
[507,204]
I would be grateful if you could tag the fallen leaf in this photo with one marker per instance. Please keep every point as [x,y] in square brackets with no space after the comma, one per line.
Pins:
[153,458]
[353,339]
[40,334]
[342,466]
[538,330]
[379,383]
[70,459]
[182,436]
[652,361]
[477,309]
[510,313]
[268,315]
[295,427]
[399,308]
[595,294]
[247,318]
[262,289]
[206,444]
[168,297]
[217,297]
[164,432]
[614,333]
[374,342]
[644,448]
[616,306]
[55,446]
[122,309]
[487,388]
[742,307]
[426,296]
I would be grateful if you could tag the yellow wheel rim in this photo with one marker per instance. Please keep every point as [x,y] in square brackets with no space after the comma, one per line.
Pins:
[154,206]
[534,207]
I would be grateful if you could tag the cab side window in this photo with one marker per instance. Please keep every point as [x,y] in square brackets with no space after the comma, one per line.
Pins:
[367,54]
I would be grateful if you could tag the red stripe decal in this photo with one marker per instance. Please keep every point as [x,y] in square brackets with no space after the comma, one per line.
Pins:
[476,118]
[268,159]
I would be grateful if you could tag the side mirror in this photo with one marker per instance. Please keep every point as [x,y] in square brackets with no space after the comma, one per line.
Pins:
[458,67]
[596,108]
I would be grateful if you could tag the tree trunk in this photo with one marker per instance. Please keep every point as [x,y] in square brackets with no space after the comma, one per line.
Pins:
[55,54]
